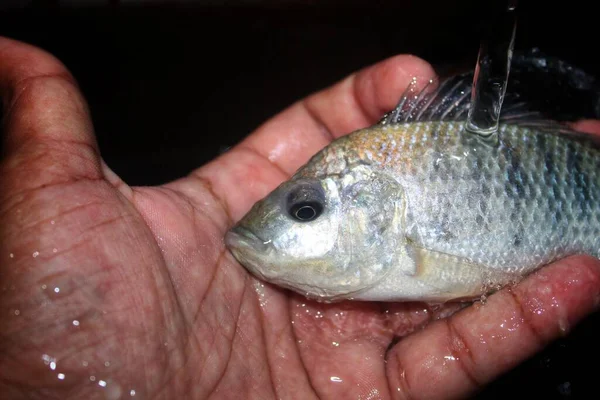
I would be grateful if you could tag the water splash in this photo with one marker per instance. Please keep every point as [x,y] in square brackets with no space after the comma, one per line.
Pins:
[491,74]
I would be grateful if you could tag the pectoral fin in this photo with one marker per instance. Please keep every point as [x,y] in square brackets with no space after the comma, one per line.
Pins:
[455,277]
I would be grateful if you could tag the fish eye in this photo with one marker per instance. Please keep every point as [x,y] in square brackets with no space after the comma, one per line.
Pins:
[306,210]
[305,202]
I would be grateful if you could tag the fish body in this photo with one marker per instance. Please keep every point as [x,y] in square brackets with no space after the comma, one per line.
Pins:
[418,208]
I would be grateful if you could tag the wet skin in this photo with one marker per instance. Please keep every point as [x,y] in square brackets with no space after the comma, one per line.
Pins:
[107,288]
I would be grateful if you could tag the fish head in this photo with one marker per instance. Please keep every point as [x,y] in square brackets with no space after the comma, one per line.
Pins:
[326,237]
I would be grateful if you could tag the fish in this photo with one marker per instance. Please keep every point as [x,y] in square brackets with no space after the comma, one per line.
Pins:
[418,208]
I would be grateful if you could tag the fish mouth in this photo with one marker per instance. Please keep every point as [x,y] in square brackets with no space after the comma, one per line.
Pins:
[249,250]
[240,238]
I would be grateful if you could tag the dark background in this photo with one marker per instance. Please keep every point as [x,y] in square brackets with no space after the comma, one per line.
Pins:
[171,85]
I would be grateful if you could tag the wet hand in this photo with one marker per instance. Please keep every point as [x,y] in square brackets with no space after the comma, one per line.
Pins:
[111,291]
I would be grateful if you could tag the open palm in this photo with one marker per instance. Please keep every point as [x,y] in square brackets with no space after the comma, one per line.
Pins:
[109,291]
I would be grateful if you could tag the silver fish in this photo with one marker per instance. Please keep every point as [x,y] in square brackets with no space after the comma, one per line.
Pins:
[416,208]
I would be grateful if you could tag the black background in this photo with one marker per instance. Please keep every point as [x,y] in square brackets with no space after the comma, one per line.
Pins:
[171,85]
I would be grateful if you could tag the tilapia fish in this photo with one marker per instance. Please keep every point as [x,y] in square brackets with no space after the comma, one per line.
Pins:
[417,208]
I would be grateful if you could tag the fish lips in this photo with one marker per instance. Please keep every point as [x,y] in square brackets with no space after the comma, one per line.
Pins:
[250,250]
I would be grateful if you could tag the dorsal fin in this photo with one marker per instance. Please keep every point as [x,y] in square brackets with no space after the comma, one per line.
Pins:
[449,100]
[540,88]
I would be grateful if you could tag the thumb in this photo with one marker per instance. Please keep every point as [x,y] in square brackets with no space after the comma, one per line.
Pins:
[48,135]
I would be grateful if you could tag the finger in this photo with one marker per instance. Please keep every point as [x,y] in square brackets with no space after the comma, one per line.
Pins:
[588,125]
[356,102]
[48,136]
[456,356]
[267,157]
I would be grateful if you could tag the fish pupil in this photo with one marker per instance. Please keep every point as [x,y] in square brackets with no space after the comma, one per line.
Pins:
[305,201]
[306,210]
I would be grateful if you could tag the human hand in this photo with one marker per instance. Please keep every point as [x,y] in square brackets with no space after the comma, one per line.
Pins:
[109,291]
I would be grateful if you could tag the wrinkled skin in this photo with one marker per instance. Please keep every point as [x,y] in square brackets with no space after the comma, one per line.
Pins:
[161,307]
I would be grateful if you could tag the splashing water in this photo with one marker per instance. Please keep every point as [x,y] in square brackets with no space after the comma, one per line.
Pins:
[491,74]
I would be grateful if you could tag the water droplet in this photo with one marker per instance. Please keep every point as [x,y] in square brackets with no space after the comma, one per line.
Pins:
[483,298]
[92,378]
[132,392]
[75,322]
[102,383]
[11,255]
[373,394]
[223,149]
[563,325]
[56,289]
[61,376]
[48,359]
[84,363]
[44,287]
[107,364]
[54,250]
[17,312]
[259,288]
[53,365]
[336,379]
[336,344]
[35,254]
[52,222]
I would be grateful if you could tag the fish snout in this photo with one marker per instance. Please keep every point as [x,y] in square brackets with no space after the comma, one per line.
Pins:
[240,238]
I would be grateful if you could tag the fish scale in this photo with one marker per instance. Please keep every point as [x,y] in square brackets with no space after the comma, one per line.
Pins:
[523,215]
